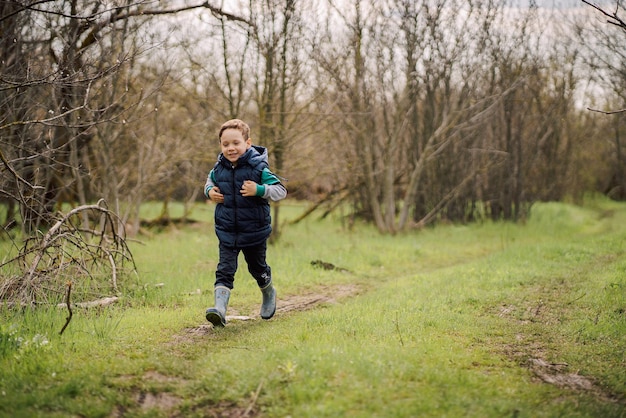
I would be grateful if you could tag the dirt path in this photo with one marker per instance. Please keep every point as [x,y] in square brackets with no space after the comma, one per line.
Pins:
[290,303]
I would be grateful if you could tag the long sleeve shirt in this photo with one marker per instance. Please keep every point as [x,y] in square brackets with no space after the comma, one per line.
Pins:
[270,188]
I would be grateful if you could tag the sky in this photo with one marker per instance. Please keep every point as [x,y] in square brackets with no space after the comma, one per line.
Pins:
[561,4]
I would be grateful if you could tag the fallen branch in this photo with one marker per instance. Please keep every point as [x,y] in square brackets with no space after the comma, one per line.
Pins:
[239,318]
[113,271]
[69,307]
[92,258]
[255,397]
[94,303]
[52,234]
[332,200]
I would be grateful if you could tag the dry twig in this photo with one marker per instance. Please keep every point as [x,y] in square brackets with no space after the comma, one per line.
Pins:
[69,308]
[90,258]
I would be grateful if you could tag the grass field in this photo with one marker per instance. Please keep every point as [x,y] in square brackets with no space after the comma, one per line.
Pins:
[483,320]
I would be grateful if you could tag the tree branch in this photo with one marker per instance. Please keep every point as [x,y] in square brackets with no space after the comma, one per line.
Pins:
[614,19]
[117,16]
[612,112]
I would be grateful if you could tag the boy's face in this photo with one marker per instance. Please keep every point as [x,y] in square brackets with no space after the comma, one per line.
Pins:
[233,145]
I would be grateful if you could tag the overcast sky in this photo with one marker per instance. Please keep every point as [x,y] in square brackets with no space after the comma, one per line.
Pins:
[560,3]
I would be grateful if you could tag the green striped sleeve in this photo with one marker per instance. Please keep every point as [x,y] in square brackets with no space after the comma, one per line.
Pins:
[267,177]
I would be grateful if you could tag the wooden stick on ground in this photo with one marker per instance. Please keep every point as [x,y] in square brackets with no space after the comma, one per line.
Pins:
[69,307]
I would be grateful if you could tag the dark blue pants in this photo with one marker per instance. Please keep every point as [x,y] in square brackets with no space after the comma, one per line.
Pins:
[255,258]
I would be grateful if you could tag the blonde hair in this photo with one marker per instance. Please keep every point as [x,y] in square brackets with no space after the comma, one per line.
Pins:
[238,124]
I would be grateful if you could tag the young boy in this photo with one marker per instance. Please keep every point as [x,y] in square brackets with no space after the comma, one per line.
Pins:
[242,185]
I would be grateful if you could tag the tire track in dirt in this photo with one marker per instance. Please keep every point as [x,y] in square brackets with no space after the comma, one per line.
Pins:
[290,303]
[528,351]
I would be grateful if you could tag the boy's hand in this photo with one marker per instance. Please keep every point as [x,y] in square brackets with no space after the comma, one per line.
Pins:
[248,189]
[216,195]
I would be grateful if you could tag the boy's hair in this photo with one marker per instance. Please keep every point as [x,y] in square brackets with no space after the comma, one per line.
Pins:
[238,124]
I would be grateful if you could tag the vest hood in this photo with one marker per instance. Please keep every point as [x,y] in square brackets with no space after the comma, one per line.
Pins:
[254,156]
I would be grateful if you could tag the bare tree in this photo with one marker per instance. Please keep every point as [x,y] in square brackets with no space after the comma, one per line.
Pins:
[401,103]
[443,50]
[62,54]
[277,34]
[605,56]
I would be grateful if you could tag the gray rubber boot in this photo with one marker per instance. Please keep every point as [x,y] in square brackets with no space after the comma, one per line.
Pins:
[217,314]
[268,308]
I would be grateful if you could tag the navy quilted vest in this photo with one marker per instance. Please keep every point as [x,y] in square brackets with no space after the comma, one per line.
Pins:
[241,221]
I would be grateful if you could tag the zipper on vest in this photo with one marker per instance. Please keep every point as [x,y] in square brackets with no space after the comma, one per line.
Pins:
[234,186]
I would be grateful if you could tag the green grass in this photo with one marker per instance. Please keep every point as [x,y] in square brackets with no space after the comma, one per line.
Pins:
[452,321]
